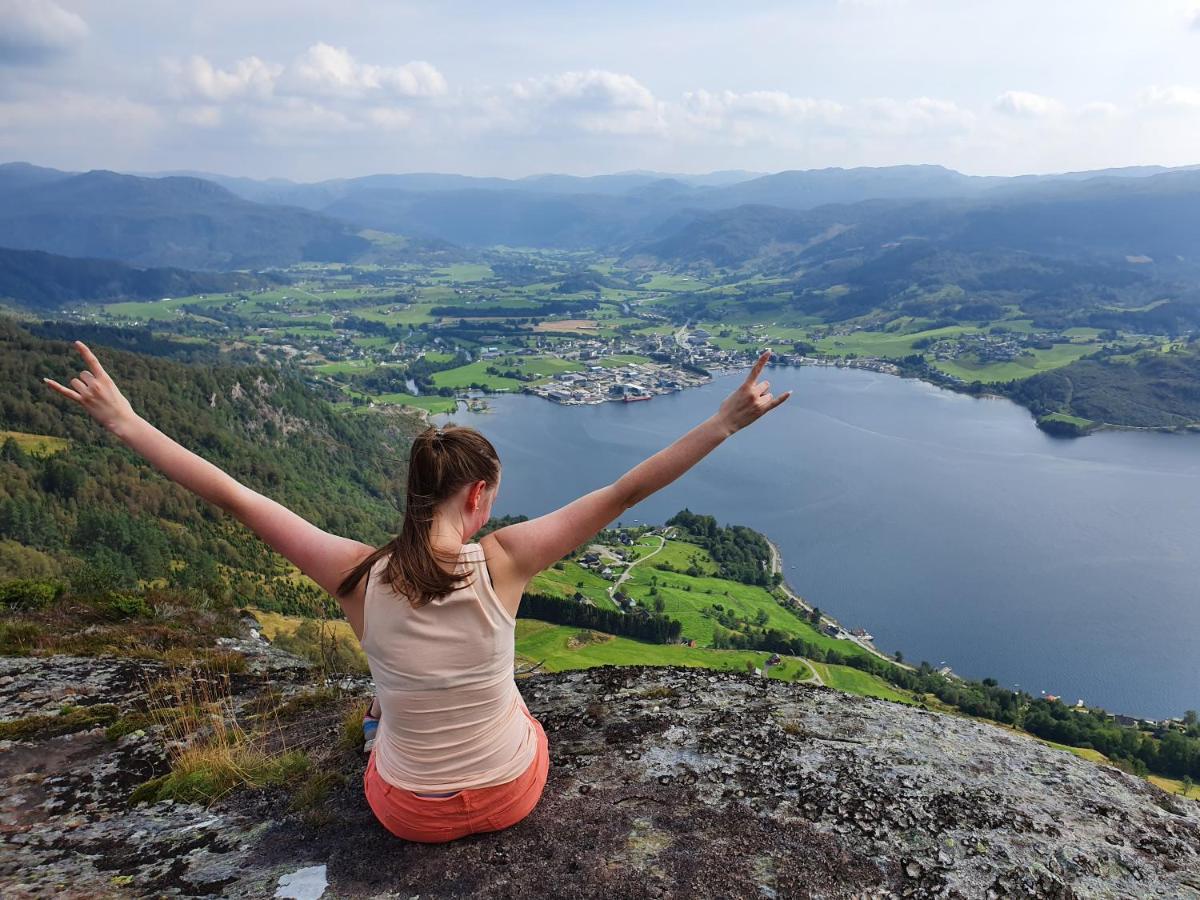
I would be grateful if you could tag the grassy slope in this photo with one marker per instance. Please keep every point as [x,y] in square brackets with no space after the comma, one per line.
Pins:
[544,642]
[855,681]
[36,444]
[1022,367]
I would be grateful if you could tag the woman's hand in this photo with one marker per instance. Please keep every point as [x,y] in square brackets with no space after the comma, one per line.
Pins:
[750,399]
[95,391]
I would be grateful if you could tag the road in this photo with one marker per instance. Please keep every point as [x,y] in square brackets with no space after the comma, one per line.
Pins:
[815,677]
[681,334]
[615,588]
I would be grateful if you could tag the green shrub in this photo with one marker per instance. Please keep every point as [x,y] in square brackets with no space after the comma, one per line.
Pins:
[352,736]
[209,773]
[103,571]
[118,606]
[28,593]
[18,637]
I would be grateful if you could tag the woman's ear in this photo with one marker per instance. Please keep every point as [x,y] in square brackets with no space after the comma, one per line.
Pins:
[475,493]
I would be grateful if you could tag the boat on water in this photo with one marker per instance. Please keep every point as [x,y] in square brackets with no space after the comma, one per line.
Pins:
[634,398]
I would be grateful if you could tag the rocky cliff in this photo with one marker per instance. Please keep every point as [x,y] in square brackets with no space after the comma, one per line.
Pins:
[664,782]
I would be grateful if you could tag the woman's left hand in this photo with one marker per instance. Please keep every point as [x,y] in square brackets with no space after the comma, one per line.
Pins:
[750,400]
[96,392]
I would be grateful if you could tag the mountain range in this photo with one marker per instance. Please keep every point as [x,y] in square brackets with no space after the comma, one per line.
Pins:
[1132,216]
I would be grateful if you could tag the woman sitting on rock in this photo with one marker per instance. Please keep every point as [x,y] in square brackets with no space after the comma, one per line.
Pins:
[457,750]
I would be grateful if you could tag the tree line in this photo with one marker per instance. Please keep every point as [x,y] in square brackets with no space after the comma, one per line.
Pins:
[657,629]
[741,553]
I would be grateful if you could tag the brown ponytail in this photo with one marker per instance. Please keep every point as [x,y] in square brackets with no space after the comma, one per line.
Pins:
[442,461]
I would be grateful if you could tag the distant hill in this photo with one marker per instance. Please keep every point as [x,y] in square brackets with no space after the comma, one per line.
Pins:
[1151,390]
[1132,221]
[45,281]
[514,218]
[318,195]
[730,238]
[218,222]
[18,175]
[184,222]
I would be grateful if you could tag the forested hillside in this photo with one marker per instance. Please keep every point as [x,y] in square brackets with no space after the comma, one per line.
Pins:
[44,281]
[78,504]
[165,222]
[1144,390]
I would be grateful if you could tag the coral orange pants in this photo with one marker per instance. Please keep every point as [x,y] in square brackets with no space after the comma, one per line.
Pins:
[435,820]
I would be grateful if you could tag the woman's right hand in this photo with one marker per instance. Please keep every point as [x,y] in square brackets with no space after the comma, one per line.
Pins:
[751,399]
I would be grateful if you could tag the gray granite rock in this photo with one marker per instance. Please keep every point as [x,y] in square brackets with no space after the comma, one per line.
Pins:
[664,782]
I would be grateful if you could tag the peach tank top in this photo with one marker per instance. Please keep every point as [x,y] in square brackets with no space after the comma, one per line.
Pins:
[451,715]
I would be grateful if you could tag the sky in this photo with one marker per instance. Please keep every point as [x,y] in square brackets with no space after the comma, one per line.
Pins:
[314,90]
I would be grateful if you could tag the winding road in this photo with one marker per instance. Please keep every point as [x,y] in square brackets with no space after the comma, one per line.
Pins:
[662,542]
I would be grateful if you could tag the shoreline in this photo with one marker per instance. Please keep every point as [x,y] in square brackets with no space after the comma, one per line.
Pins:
[867,645]
[880,366]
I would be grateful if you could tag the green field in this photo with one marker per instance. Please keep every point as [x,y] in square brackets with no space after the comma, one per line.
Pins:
[465,272]
[882,343]
[856,681]
[346,365]
[687,598]
[1028,364]
[539,641]
[565,583]
[465,376]
[619,359]
[406,314]
[664,282]
[432,402]
[149,310]
[542,368]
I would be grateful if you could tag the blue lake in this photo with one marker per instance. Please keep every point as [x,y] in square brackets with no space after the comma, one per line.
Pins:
[949,527]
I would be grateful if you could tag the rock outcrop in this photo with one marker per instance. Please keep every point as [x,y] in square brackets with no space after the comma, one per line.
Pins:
[664,782]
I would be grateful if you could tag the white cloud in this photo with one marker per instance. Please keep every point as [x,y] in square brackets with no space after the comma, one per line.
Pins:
[1026,104]
[714,109]
[250,77]
[323,91]
[594,101]
[389,118]
[325,70]
[34,30]
[322,71]
[920,114]
[1175,96]
[1100,110]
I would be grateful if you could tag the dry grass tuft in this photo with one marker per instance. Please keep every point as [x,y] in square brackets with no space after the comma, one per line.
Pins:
[211,754]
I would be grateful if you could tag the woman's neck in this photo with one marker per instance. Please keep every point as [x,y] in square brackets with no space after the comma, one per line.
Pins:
[446,537]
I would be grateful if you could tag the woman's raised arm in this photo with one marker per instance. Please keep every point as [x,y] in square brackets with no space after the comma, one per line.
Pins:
[323,557]
[518,552]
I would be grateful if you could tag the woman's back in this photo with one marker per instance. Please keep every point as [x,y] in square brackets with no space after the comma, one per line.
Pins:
[452,717]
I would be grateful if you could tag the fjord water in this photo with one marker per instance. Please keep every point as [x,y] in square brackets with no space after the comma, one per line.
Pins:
[949,527]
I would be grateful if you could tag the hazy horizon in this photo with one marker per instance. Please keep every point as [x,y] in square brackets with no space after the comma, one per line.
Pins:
[297,92]
[166,173]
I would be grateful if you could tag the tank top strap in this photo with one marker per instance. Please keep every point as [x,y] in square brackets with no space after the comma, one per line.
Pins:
[484,588]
